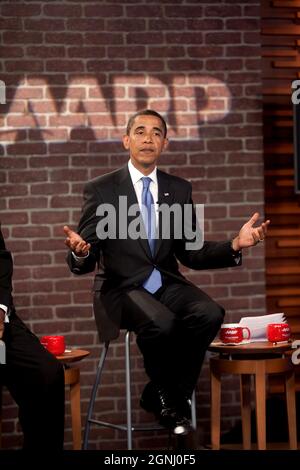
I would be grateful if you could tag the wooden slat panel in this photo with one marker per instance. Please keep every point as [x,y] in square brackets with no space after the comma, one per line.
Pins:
[279,148]
[282,206]
[286,3]
[292,30]
[275,280]
[276,90]
[283,254]
[288,243]
[279,53]
[278,112]
[286,64]
[285,219]
[283,123]
[282,41]
[289,302]
[281,171]
[285,183]
[283,232]
[283,270]
[283,291]
[277,13]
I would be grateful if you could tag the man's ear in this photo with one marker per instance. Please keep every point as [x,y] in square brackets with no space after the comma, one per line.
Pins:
[166,143]
[126,141]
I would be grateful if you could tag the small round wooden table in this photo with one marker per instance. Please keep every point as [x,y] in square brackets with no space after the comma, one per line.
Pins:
[72,378]
[258,359]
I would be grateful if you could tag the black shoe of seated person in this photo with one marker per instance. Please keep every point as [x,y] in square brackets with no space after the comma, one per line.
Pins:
[182,425]
[158,400]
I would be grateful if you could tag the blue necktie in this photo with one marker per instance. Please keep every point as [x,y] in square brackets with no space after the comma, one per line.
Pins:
[153,283]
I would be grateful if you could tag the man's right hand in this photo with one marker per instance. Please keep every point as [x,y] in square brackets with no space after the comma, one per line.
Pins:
[2,317]
[76,243]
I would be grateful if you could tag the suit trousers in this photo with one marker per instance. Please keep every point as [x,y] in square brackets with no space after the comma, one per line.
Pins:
[35,380]
[174,327]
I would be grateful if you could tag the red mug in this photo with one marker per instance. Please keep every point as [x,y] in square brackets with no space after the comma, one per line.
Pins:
[234,333]
[277,332]
[54,344]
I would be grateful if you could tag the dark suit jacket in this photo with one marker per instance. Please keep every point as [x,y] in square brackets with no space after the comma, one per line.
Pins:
[6,269]
[124,264]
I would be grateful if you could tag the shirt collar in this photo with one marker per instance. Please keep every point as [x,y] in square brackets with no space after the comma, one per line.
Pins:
[136,175]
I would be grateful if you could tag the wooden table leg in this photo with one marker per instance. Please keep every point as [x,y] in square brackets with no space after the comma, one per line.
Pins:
[245,391]
[72,378]
[291,408]
[260,399]
[215,408]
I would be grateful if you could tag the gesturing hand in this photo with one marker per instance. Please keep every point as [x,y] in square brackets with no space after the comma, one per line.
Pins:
[75,242]
[249,235]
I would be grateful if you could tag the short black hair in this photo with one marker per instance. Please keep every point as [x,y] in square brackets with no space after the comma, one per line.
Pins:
[146,112]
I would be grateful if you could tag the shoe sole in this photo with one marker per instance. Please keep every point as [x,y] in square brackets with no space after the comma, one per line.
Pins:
[181,430]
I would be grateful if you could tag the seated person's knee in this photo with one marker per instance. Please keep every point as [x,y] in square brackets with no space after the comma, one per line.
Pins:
[216,313]
[157,329]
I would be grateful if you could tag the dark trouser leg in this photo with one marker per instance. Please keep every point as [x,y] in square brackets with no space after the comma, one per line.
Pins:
[198,319]
[173,332]
[36,381]
[153,324]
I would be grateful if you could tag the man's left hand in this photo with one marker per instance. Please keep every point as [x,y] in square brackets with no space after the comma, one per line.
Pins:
[249,235]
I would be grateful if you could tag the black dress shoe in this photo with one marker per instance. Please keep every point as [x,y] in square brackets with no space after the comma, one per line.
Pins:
[168,413]
[182,425]
[159,401]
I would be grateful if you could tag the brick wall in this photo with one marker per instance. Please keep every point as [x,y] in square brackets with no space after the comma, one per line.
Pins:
[75,71]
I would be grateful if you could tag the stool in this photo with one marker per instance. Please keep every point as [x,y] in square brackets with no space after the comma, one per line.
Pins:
[129,427]
[258,359]
[72,378]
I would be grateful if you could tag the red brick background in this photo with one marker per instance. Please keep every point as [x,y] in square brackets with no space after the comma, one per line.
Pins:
[75,71]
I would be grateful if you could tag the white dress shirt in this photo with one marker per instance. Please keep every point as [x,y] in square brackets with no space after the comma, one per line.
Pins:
[136,178]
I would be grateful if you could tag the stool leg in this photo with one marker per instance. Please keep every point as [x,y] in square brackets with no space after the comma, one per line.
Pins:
[128,391]
[291,409]
[75,413]
[193,411]
[245,391]
[215,381]
[260,402]
[93,395]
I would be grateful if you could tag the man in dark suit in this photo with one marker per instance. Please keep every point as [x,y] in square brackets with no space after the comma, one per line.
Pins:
[138,284]
[33,376]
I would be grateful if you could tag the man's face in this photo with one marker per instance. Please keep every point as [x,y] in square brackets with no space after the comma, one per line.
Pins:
[145,142]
